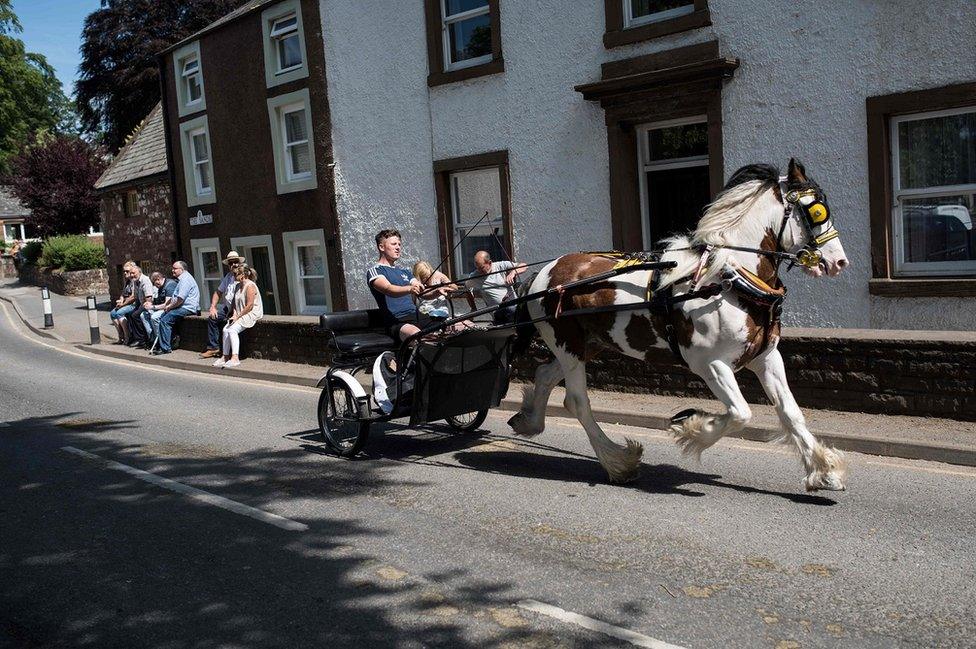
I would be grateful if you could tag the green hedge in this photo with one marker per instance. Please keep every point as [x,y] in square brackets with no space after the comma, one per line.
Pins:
[74,252]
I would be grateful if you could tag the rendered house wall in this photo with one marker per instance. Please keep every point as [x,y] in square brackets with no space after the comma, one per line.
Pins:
[799,91]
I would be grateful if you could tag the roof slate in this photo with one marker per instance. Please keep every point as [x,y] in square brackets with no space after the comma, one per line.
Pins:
[223,20]
[10,207]
[143,155]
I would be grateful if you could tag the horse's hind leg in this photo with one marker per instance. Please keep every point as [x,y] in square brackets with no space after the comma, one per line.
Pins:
[695,431]
[530,420]
[622,462]
[826,467]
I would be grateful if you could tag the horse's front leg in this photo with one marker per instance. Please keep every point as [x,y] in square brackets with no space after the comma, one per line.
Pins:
[694,430]
[826,467]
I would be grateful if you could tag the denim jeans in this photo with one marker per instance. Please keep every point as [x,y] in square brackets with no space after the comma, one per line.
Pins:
[120,312]
[166,323]
[215,327]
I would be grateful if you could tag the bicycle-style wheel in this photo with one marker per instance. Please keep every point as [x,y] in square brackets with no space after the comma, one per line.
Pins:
[339,419]
[468,421]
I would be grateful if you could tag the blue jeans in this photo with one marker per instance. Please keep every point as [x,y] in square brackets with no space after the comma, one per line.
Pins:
[215,328]
[166,323]
[122,311]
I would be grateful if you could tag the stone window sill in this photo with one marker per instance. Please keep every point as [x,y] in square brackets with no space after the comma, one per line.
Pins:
[452,76]
[922,287]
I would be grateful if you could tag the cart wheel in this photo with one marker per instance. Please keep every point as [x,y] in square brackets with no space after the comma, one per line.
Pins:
[341,435]
[468,421]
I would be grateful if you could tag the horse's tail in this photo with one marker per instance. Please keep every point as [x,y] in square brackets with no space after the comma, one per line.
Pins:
[525,329]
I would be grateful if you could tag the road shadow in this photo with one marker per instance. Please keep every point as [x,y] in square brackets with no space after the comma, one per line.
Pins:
[91,556]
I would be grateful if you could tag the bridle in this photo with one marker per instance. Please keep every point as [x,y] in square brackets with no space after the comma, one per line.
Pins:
[814,216]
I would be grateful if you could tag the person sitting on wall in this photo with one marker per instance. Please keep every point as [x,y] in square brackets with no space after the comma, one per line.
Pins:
[221,304]
[165,289]
[124,305]
[494,280]
[185,301]
[394,289]
[144,292]
[248,309]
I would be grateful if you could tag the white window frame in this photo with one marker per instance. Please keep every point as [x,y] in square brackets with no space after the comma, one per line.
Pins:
[292,241]
[273,74]
[446,23]
[285,181]
[667,14]
[180,57]
[20,226]
[290,174]
[194,196]
[244,245]
[197,248]
[901,267]
[644,164]
[278,36]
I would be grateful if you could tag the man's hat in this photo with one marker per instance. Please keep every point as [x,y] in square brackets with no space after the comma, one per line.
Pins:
[232,256]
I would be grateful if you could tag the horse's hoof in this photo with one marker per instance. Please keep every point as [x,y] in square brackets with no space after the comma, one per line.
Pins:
[625,477]
[681,416]
[518,424]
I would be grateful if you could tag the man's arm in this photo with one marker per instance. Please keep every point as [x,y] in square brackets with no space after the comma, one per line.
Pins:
[518,269]
[383,285]
[214,301]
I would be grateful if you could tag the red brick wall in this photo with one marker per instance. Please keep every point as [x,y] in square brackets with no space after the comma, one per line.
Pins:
[146,238]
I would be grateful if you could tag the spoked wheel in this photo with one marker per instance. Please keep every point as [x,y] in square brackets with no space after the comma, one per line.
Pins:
[339,419]
[468,421]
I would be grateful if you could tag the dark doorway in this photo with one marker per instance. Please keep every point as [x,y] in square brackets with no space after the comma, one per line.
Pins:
[260,260]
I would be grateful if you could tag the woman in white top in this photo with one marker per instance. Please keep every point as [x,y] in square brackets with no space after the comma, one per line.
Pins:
[248,309]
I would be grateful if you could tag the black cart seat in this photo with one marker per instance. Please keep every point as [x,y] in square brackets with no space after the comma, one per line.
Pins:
[357,333]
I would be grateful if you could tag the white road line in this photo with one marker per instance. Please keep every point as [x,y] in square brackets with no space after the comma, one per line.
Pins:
[196,494]
[620,633]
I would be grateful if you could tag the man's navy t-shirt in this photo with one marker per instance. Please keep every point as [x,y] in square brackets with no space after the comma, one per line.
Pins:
[395,308]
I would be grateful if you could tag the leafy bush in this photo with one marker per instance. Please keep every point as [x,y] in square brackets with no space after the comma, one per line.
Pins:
[86,257]
[31,252]
[74,252]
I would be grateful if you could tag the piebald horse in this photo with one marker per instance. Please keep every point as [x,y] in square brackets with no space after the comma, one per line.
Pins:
[715,335]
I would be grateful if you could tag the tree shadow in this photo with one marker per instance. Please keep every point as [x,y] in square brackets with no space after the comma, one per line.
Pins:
[92,557]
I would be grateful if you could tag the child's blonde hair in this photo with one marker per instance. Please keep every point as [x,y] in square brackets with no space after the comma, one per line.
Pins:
[422,271]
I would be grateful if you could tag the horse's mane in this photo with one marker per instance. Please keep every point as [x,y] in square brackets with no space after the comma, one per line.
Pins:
[724,221]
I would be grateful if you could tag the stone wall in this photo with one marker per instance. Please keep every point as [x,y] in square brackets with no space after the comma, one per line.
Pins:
[146,238]
[75,282]
[7,268]
[873,371]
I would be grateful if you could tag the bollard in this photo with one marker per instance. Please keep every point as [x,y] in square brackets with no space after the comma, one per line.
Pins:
[48,315]
[96,335]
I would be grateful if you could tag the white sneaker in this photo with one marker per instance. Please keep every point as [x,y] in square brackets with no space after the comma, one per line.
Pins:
[232,363]
[220,362]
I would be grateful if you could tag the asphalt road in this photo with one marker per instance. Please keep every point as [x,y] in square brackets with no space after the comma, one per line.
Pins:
[437,539]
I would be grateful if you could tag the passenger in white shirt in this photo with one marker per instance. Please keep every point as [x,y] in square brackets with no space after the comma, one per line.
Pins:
[494,280]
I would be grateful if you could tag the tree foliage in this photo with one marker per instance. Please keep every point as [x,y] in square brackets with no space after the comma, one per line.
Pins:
[31,99]
[55,180]
[119,76]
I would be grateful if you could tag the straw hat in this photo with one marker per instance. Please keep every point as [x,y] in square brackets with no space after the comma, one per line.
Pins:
[233,256]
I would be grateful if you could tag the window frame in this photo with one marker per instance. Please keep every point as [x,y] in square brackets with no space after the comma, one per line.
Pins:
[443,171]
[188,129]
[292,241]
[668,14]
[887,278]
[622,29]
[181,57]
[442,71]
[290,174]
[284,183]
[197,249]
[244,245]
[274,75]
[128,208]
[644,165]
[901,268]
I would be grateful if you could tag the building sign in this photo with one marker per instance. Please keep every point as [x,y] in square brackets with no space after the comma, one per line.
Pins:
[201,218]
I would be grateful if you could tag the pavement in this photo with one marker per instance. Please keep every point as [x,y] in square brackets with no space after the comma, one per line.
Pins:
[923,438]
[144,506]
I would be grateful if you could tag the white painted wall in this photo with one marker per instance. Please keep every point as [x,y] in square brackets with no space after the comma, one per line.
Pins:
[806,69]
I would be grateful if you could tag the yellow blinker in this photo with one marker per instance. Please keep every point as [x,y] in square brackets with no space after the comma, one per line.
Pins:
[817,212]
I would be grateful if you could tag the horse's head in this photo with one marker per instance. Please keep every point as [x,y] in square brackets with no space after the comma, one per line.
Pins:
[809,230]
